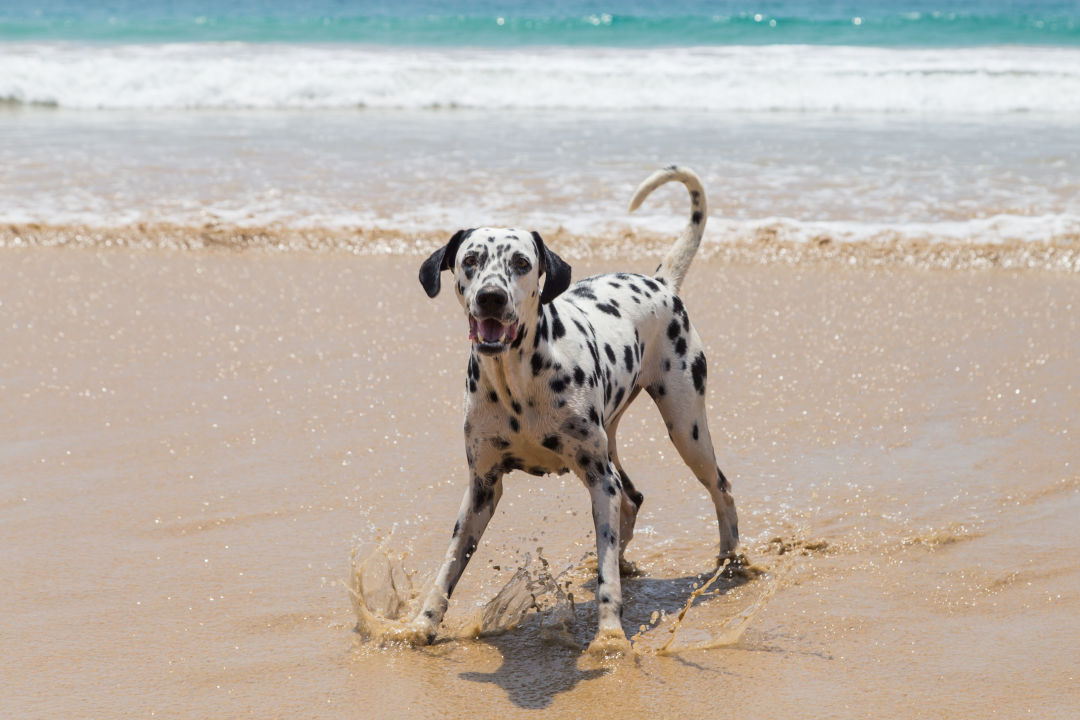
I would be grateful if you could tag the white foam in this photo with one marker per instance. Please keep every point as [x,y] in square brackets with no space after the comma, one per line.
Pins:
[965,81]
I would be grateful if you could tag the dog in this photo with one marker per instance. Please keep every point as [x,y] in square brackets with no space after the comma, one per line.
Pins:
[552,369]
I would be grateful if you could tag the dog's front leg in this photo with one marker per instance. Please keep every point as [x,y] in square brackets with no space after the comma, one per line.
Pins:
[476,510]
[605,492]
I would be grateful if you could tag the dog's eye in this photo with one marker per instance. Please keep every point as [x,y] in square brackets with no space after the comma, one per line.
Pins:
[521,264]
[469,261]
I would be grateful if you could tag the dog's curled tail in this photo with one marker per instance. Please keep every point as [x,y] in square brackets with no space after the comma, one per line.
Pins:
[673,267]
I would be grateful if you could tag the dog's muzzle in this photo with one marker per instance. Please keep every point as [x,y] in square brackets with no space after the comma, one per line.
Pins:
[486,325]
[490,335]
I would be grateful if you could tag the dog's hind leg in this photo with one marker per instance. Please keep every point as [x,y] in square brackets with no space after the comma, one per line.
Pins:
[681,401]
[630,504]
[476,510]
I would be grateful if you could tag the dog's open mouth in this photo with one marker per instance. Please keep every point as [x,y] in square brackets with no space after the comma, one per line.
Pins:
[490,335]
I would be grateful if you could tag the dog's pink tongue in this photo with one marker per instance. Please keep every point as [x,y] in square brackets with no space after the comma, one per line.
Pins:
[491,330]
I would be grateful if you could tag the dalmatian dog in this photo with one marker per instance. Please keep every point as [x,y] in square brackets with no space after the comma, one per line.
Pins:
[552,369]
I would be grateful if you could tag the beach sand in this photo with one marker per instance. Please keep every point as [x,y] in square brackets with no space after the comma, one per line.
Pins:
[196,442]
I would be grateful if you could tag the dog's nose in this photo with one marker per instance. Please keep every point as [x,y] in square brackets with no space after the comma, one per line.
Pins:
[491,300]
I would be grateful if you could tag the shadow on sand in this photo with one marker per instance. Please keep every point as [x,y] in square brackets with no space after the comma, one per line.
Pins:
[539,663]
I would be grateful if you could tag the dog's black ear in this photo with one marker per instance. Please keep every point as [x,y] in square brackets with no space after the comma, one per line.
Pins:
[441,259]
[557,269]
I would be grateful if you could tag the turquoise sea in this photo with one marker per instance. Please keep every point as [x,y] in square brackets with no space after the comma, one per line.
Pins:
[634,23]
[952,121]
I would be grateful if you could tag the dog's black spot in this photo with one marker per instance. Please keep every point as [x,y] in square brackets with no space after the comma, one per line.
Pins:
[673,329]
[680,346]
[667,365]
[680,310]
[519,339]
[552,442]
[609,308]
[619,397]
[512,462]
[610,352]
[699,371]
[696,217]
[593,417]
[610,490]
[493,396]
[457,529]
[500,443]
[515,425]
[558,385]
[661,390]
[516,406]
[694,431]
[557,328]
[429,614]
[650,283]
[541,330]
[584,461]
[577,428]
[628,358]
[584,291]
[579,375]
[628,487]
[721,481]
[482,494]
[537,363]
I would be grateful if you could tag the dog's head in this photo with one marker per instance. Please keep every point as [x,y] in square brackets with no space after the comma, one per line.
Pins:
[497,278]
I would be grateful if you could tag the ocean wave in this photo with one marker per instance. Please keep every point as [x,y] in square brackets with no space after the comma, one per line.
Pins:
[958,81]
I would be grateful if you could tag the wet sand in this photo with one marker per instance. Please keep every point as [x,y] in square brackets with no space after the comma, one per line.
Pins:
[196,442]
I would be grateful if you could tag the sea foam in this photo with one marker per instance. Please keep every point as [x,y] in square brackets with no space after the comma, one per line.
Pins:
[961,81]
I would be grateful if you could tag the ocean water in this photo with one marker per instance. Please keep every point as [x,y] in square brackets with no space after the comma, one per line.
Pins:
[619,23]
[949,120]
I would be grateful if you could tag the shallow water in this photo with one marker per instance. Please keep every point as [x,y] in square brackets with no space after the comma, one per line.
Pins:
[195,444]
[800,176]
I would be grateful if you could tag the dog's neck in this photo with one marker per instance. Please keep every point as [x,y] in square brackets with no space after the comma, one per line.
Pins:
[510,374]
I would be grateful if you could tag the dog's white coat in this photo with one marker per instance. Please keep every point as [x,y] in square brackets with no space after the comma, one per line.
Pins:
[552,370]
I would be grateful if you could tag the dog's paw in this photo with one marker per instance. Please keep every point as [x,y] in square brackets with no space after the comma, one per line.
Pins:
[609,643]
[737,566]
[411,635]
[414,634]
[627,568]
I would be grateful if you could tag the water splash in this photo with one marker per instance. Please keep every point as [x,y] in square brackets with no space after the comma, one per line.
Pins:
[733,628]
[385,596]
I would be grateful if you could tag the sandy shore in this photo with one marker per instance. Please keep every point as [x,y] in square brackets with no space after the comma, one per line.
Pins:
[771,242]
[195,441]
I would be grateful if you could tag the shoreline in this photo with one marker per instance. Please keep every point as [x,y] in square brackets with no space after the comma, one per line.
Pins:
[765,246]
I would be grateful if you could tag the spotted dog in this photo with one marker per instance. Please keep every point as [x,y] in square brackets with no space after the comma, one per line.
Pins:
[552,370]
